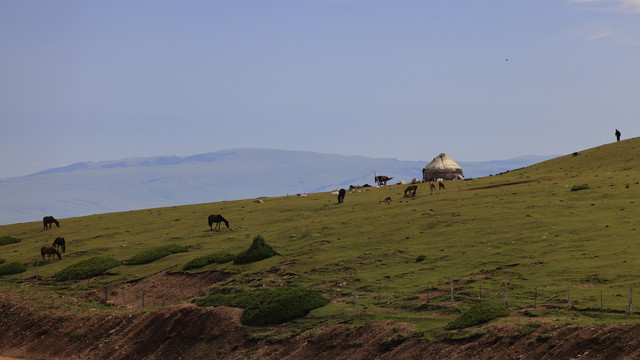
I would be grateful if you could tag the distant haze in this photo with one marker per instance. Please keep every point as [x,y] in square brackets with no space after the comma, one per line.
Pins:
[139,183]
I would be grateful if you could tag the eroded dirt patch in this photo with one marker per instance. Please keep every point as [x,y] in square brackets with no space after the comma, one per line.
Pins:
[163,288]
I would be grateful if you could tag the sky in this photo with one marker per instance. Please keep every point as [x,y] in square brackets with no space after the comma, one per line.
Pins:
[406,79]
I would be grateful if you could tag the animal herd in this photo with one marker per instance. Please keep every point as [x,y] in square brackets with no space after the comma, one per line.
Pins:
[411,191]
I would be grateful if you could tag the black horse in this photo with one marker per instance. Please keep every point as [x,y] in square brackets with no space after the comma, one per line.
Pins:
[48,220]
[58,243]
[217,219]
[341,194]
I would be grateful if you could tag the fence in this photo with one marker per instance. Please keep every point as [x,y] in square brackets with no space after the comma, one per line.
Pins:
[601,297]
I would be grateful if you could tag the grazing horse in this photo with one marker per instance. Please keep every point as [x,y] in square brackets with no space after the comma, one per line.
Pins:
[432,187]
[441,185]
[217,219]
[382,179]
[48,250]
[59,243]
[48,220]
[411,191]
[341,194]
[385,200]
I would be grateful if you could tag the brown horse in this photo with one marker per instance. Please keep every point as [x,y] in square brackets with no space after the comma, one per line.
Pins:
[48,250]
[432,187]
[411,191]
[385,200]
[382,179]
[217,219]
[441,185]
[48,220]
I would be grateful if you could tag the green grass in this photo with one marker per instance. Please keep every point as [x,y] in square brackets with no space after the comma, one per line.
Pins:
[269,307]
[154,254]
[525,227]
[6,240]
[12,268]
[86,269]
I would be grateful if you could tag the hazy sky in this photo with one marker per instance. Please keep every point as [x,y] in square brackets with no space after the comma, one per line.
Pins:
[409,79]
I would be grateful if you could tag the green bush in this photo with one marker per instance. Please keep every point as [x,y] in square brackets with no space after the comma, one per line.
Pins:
[421,258]
[86,269]
[6,240]
[257,251]
[219,258]
[479,313]
[579,187]
[12,268]
[154,254]
[269,307]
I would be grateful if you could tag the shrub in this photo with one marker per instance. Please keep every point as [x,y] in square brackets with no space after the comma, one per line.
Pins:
[12,268]
[479,313]
[154,254]
[257,251]
[219,258]
[86,269]
[6,240]
[421,258]
[579,187]
[269,307]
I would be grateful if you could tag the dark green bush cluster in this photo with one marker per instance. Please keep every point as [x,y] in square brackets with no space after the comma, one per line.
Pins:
[6,240]
[579,187]
[86,268]
[152,255]
[218,258]
[269,307]
[479,313]
[12,268]
[257,251]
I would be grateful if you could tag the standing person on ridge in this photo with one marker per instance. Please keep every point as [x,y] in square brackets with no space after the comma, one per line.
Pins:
[618,134]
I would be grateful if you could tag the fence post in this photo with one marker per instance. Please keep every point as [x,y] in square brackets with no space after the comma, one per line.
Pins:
[630,300]
[354,292]
[451,291]
[600,300]
[506,296]
[569,292]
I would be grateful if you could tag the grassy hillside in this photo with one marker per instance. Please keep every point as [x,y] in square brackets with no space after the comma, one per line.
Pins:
[525,227]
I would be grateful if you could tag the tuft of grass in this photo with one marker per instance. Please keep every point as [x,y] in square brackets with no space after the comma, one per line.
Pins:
[218,258]
[269,307]
[579,187]
[12,268]
[154,254]
[86,269]
[479,313]
[6,240]
[258,250]
[421,258]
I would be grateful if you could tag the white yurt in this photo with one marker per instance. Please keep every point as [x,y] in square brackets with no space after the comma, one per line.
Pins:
[442,167]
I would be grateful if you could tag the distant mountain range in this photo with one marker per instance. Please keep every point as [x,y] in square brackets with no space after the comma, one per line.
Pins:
[139,183]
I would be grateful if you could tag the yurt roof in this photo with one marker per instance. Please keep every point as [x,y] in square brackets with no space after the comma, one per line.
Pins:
[442,161]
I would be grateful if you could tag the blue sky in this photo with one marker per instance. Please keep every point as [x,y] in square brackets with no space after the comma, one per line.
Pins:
[408,79]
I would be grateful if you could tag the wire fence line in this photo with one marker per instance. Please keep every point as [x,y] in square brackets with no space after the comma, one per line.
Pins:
[609,298]
[603,298]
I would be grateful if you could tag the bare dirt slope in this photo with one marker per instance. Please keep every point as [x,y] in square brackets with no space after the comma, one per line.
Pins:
[184,331]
